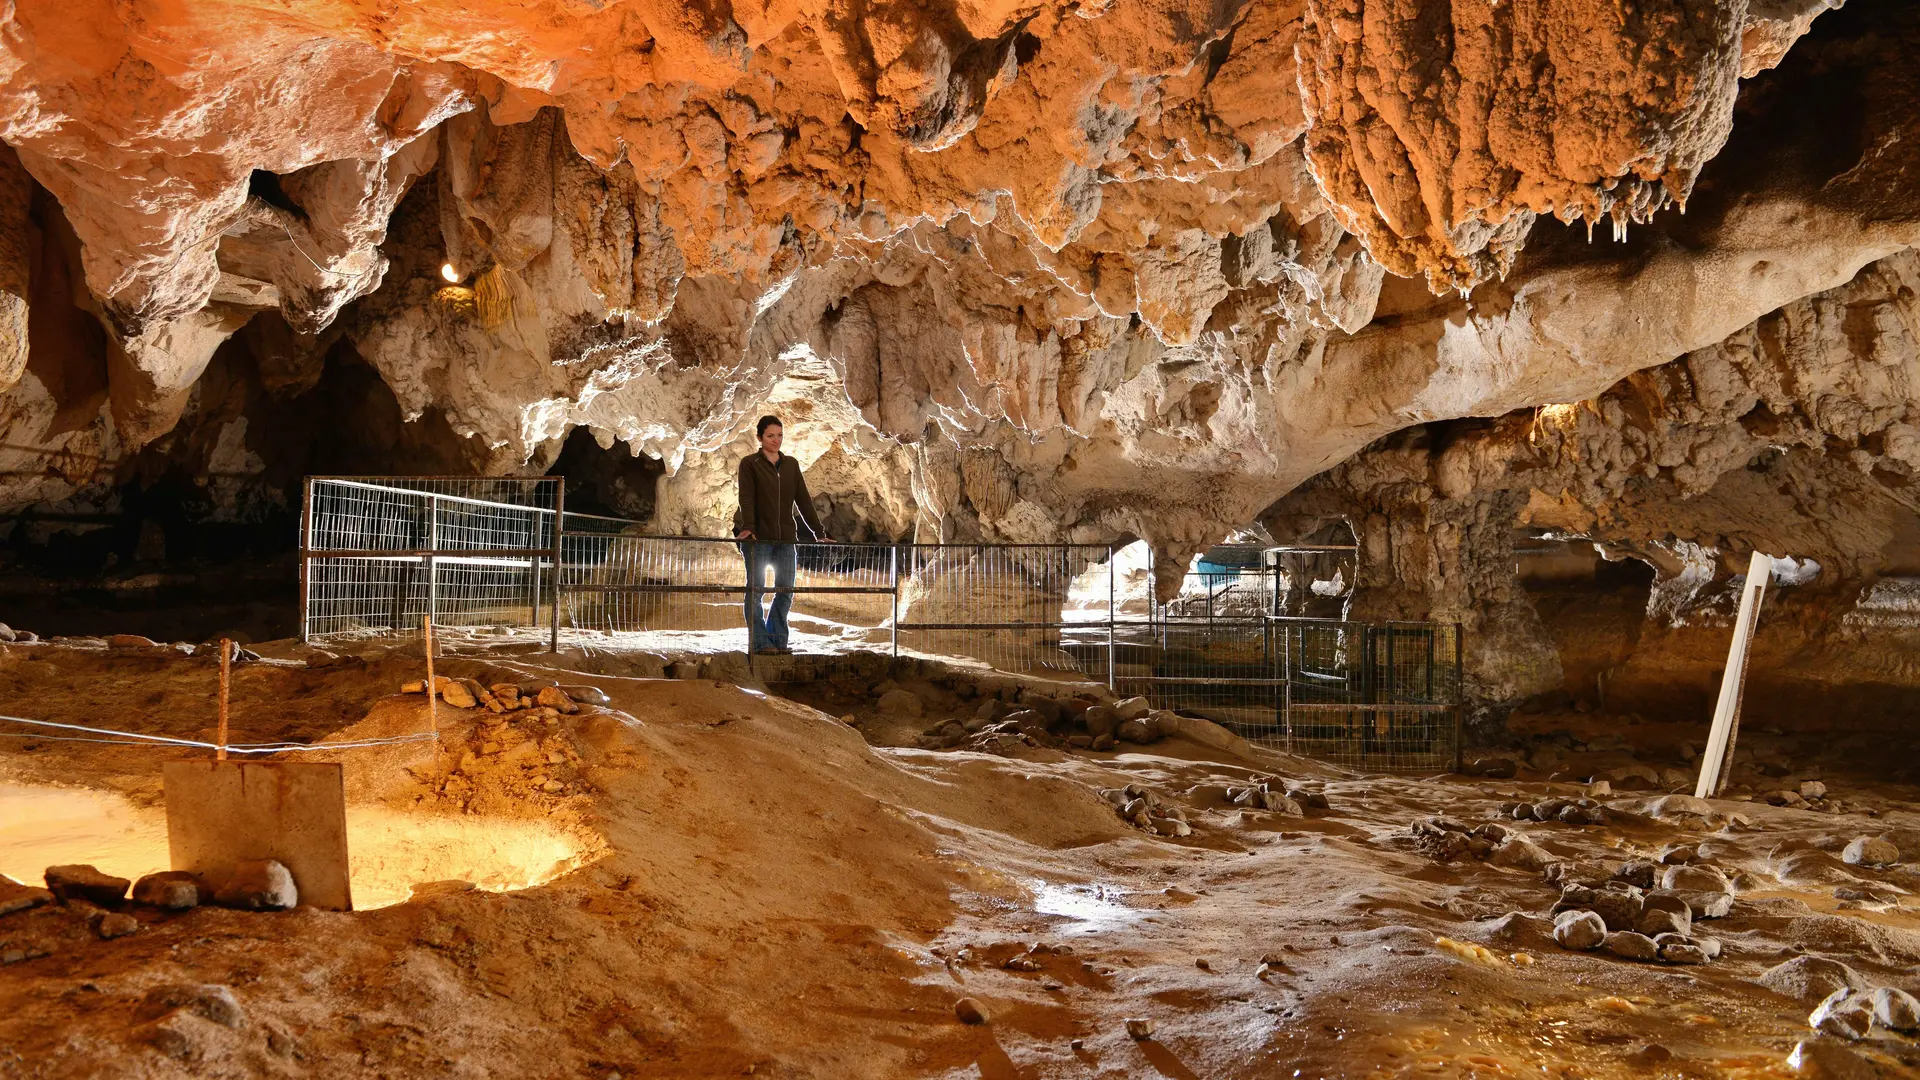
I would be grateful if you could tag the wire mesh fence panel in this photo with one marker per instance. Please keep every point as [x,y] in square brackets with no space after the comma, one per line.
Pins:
[382,553]
[1017,607]
[1226,670]
[1383,697]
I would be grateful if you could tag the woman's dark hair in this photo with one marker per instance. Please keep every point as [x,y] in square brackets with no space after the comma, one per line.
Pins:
[767,422]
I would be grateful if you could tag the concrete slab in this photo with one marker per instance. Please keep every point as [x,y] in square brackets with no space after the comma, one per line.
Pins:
[295,812]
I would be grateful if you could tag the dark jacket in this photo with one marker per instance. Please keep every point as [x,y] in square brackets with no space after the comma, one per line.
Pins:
[768,495]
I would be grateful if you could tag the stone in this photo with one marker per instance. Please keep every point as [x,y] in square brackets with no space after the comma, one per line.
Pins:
[79,881]
[1870,851]
[1631,946]
[208,1001]
[455,693]
[1494,768]
[1100,720]
[1139,1028]
[552,697]
[1693,879]
[1580,930]
[1843,1013]
[1813,789]
[1521,853]
[1679,854]
[130,641]
[900,704]
[1599,789]
[592,695]
[1894,1009]
[1619,908]
[1636,872]
[1136,732]
[1104,743]
[1657,921]
[1172,827]
[1708,945]
[1811,978]
[1681,952]
[258,885]
[173,890]
[1080,742]
[115,924]
[19,896]
[1522,811]
[970,1011]
[1133,708]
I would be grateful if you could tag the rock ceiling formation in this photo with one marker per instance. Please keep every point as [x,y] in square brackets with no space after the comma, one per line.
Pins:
[1035,261]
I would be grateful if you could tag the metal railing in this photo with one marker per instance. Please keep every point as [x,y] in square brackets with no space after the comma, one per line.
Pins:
[379,555]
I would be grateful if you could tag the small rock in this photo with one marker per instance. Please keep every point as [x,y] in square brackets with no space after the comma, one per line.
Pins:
[1813,789]
[78,881]
[552,697]
[1100,720]
[115,924]
[414,686]
[19,896]
[1579,930]
[455,693]
[1172,827]
[1894,1009]
[1139,1028]
[1679,854]
[969,1011]
[592,695]
[1650,1054]
[174,890]
[1133,708]
[901,704]
[1681,952]
[553,787]
[1103,743]
[1522,811]
[1870,851]
[1632,946]
[1135,731]
[1693,879]
[1599,789]
[1708,945]
[259,885]
[1656,922]
[1499,768]
[1521,853]
[130,641]
[1639,873]
[1844,1013]
[1678,805]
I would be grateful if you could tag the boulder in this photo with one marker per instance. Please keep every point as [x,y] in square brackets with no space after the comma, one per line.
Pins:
[1133,708]
[115,924]
[1656,921]
[1580,930]
[969,1011]
[592,695]
[1870,851]
[258,885]
[455,693]
[1520,853]
[1682,952]
[1680,805]
[1103,743]
[552,697]
[130,641]
[174,890]
[1100,720]
[1136,732]
[79,881]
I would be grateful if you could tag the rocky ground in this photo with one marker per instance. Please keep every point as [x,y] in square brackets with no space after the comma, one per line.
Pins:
[701,877]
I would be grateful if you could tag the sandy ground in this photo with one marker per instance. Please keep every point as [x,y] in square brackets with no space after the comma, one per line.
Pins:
[704,880]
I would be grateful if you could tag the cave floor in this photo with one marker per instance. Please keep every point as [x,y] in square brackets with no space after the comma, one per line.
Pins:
[703,879]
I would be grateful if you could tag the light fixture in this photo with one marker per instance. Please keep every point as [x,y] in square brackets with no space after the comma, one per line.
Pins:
[447,271]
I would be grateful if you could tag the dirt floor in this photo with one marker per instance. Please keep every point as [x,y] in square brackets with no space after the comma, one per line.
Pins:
[703,879]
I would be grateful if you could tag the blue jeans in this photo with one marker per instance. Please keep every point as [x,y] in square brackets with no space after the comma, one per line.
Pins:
[773,630]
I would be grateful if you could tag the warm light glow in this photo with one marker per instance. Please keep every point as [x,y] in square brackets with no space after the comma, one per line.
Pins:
[447,271]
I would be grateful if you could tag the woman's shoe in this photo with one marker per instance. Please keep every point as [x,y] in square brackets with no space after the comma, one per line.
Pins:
[786,650]
[767,650]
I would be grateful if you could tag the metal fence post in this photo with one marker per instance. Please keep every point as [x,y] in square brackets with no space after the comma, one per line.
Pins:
[559,530]
[433,564]
[893,571]
[1112,572]
[306,559]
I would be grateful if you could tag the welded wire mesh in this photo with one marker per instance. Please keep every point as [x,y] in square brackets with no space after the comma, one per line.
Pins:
[1017,607]
[381,553]
[1379,696]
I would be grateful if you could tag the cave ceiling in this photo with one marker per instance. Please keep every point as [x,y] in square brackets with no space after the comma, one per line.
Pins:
[1051,270]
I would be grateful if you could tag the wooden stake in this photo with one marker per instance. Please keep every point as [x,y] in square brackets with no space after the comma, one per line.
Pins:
[1717,761]
[433,692]
[226,680]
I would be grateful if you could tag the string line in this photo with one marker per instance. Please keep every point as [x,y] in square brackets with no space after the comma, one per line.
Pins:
[135,738]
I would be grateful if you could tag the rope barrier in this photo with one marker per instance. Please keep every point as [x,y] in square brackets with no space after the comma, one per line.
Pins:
[135,738]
